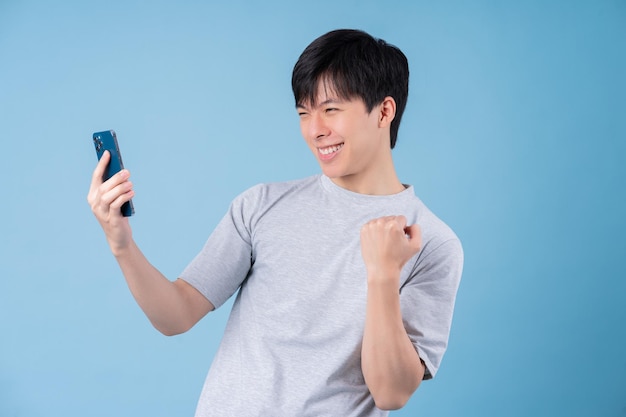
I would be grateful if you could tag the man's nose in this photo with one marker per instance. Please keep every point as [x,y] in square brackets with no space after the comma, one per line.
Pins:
[318,127]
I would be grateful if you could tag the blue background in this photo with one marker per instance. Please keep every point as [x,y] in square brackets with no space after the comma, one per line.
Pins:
[514,134]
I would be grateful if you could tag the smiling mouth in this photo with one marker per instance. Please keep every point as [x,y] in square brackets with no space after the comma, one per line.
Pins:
[330,149]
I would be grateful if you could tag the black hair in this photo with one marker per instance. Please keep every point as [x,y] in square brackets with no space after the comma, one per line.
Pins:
[354,65]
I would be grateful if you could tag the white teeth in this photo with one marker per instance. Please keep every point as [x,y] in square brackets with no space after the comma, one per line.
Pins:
[330,149]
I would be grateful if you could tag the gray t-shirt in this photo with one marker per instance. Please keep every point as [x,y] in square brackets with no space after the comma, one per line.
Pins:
[292,344]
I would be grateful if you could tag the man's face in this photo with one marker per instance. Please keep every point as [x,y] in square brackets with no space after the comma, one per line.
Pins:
[346,140]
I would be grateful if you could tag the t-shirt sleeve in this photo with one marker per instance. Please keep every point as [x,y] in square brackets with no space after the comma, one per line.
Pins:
[427,301]
[225,260]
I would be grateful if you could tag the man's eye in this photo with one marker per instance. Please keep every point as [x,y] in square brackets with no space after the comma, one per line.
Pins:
[331,109]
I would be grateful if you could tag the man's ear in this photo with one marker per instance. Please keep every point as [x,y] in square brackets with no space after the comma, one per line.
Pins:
[387,112]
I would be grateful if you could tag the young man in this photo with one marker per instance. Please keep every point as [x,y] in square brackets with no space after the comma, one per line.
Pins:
[345,281]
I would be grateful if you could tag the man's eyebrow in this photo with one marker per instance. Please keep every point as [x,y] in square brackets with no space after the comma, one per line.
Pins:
[323,103]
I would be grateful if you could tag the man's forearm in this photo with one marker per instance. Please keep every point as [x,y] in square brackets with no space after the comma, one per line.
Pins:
[391,366]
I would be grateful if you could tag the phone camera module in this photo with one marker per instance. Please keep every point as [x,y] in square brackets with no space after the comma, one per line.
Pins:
[98,143]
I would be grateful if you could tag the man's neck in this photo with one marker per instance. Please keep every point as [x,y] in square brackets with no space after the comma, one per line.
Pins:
[371,184]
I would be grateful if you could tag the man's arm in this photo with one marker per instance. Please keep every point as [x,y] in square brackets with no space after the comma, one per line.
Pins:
[172,307]
[391,366]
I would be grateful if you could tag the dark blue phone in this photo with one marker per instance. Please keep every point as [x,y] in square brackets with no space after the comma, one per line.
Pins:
[107,141]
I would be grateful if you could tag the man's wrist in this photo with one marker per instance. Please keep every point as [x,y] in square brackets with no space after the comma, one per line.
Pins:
[383,275]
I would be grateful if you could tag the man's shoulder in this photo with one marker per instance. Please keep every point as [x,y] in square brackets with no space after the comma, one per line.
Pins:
[435,231]
[264,196]
[269,189]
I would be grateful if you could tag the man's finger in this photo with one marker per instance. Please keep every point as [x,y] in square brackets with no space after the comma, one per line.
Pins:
[414,232]
[401,220]
[96,179]
[116,204]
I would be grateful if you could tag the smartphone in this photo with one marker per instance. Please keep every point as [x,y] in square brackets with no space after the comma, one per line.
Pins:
[107,141]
